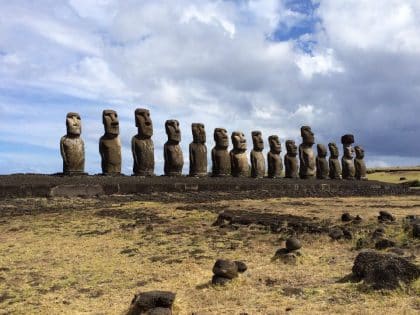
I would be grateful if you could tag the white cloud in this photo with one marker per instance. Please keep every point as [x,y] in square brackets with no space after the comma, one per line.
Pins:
[323,64]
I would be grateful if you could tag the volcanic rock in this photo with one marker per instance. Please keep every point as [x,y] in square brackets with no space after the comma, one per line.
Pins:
[293,243]
[385,216]
[152,302]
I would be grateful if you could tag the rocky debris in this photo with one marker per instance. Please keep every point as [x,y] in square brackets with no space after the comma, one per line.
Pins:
[378,233]
[225,270]
[384,271]
[336,234]
[357,219]
[385,216]
[152,303]
[346,217]
[348,235]
[292,244]
[416,230]
[384,243]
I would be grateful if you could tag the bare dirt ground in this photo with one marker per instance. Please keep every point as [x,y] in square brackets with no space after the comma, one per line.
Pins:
[90,256]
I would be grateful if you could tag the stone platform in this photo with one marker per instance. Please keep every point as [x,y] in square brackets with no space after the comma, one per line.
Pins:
[28,185]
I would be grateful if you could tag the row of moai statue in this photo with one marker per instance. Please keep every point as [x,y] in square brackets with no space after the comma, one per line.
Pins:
[224,163]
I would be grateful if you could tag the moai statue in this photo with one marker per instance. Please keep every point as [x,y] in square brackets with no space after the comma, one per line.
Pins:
[238,159]
[307,167]
[322,169]
[142,144]
[359,163]
[275,164]
[198,151]
[256,155]
[110,144]
[334,163]
[174,160]
[219,154]
[72,147]
[290,160]
[347,159]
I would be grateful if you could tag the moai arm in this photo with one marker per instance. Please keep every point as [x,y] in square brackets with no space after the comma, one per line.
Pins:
[63,154]
[133,151]
[192,157]
[301,156]
[253,161]
[101,152]
[165,158]
[232,161]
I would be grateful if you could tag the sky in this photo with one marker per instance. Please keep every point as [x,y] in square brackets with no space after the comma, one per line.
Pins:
[338,66]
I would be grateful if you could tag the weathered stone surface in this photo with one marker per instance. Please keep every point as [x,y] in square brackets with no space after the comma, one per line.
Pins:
[416,230]
[336,234]
[256,155]
[378,233]
[384,271]
[219,154]
[225,268]
[242,267]
[198,151]
[346,217]
[216,280]
[307,167]
[274,162]
[110,144]
[384,243]
[142,145]
[322,168]
[293,243]
[145,302]
[359,163]
[290,160]
[72,147]
[174,160]
[334,163]
[385,216]
[238,159]
[348,170]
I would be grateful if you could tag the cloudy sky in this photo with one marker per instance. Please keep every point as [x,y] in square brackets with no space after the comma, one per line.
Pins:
[350,66]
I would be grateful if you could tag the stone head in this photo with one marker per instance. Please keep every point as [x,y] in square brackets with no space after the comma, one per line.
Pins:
[321,150]
[257,140]
[333,150]
[360,152]
[348,151]
[221,138]
[198,132]
[275,144]
[238,140]
[73,124]
[144,122]
[172,130]
[291,147]
[307,135]
[110,121]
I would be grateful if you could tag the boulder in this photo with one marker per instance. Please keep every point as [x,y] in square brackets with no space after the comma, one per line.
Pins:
[385,216]
[416,230]
[152,302]
[242,267]
[346,217]
[384,243]
[378,233]
[225,268]
[336,234]
[293,243]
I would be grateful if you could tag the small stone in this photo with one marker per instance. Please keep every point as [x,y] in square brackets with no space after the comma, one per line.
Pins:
[225,268]
[242,267]
[147,301]
[216,280]
[357,219]
[378,233]
[346,217]
[347,234]
[293,243]
[384,243]
[385,216]
[336,234]
[416,230]
[281,252]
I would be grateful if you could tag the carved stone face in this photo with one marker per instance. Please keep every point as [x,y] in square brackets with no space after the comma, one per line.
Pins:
[291,148]
[322,150]
[257,140]
[198,132]
[360,153]
[221,138]
[333,150]
[238,140]
[144,122]
[172,130]
[307,135]
[275,145]
[348,151]
[73,124]
[110,121]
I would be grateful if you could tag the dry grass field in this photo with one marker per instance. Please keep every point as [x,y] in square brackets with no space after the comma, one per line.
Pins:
[396,176]
[90,256]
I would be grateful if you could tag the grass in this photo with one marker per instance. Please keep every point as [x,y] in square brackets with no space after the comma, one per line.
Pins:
[90,256]
[395,176]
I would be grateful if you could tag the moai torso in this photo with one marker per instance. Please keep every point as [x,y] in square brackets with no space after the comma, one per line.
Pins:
[322,169]
[72,147]
[347,163]
[110,144]
[359,164]
[174,160]
[307,167]
[198,151]
[256,156]
[142,145]
[290,160]
[274,162]
[219,154]
[334,162]
[238,158]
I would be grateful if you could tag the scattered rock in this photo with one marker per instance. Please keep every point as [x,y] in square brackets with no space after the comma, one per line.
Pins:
[293,243]
[291,291]
[378,233]
[216,280]
[403,178]
[384,243]
[242,267]
[287,257]
[225,268]
[336,234]
[348,235]
[357,219]
[152,302]
[385,216]
[346,217]
[416,230]
[384,271]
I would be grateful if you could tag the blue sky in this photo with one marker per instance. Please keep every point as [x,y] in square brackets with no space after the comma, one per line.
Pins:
[338,66]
